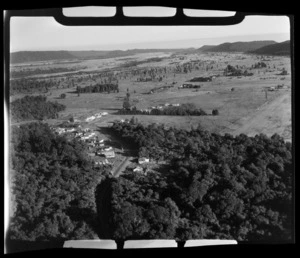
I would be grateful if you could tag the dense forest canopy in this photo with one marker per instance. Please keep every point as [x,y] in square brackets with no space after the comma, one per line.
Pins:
[52,186]
[99,88]
[34,107]
[31,85]
[213,186]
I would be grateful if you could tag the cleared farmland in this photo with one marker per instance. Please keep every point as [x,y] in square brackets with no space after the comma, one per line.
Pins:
[246,109]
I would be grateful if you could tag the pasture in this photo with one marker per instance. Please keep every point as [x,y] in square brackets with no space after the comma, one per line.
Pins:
[246,109]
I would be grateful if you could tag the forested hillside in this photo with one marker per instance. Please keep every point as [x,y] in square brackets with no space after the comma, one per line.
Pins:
[52,185]
[279,49]
[213,186]
[34,107]
[239,46]
[33,56]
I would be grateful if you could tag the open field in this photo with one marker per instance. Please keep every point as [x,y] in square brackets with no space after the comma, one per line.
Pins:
[243,110]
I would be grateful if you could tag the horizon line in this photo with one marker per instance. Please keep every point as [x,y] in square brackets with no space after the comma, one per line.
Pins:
[142,48]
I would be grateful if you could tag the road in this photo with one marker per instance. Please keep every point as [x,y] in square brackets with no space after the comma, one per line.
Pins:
[116,172]
[272,117]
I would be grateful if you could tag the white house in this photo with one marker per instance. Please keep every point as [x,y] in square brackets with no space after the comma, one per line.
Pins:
[108,154]
[143,160]
[90,118]
[138,169]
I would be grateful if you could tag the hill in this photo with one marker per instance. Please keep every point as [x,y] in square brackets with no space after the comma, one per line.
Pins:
[280,49]
[206,47]
[239,46]
[33,56]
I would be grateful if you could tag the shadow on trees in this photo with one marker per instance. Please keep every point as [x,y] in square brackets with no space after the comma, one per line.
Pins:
[16,246]
[84,214]
[103,196]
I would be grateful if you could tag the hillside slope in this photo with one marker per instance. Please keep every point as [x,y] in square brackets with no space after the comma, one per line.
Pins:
[280,49]
[33,56]
[206,47]
[240,46]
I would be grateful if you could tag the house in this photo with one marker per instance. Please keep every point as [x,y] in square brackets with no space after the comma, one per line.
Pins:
[99,152]
[104,113]
[143,160]
[90,118]
[98,115]
[70,130]
[271,88]
[91,154]
[108,154]
[138,169]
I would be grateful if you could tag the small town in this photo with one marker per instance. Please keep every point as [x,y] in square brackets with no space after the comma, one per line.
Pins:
[123,137]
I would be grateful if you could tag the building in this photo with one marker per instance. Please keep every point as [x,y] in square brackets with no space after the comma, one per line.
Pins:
[138,169]
[143,160]
[101,161]
[109,154]
[90,118]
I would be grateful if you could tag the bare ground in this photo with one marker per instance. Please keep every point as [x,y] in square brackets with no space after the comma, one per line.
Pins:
[273,117]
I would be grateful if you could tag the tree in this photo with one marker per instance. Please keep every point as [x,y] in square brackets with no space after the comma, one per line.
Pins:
[63,96]
[126,104]
[215,112]
[53,199]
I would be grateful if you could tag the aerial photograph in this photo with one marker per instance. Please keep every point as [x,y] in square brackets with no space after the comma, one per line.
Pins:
[145,136]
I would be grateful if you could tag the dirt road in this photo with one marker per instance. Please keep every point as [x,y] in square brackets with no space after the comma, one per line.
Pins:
[272,117]
[116,172]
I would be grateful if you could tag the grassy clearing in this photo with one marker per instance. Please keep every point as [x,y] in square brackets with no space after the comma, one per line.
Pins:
[234,106]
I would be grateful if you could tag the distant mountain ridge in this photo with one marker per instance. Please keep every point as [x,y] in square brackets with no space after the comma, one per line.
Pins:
[238,46]
[268,47]
[206,47]
[33,56]
[279,49]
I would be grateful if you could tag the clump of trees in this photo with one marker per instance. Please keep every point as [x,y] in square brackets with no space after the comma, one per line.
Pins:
[187,109]
[53,183]
[214,186]
[30,72]
[31,85]
[34,107]
[98,88]
[235,71]
[259,65]
[215,112]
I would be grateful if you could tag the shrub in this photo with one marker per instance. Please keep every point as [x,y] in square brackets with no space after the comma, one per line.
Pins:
[215,112]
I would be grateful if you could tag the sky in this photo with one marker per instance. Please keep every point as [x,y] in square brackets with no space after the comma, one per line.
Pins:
[44,33]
